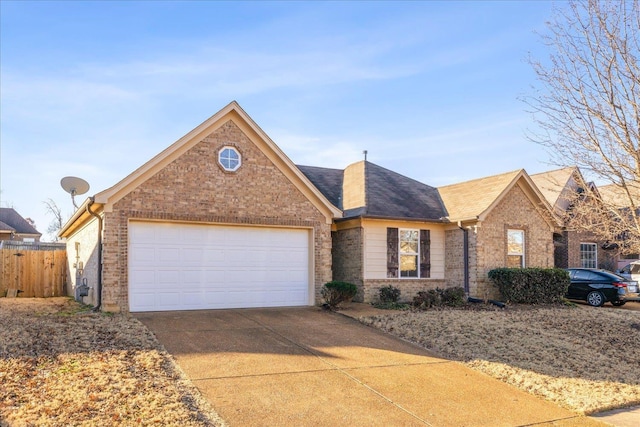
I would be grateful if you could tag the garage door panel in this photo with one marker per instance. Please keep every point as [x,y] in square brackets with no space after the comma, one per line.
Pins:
[168,300]
[142,301]
[143,254]
[183,267]
[166,232]
[213,256]
[193,255]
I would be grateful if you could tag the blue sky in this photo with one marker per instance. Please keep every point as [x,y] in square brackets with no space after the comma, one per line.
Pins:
[430,89]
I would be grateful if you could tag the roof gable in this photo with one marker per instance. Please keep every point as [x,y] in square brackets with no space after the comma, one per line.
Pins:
[473,200]
[233,112]
[559,186]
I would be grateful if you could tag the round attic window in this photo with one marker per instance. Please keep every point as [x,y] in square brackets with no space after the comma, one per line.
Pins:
[229,158]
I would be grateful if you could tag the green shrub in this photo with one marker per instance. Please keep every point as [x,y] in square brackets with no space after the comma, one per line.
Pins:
[389,294]
[453,297]
[335,293]
[531,285]
[448,297]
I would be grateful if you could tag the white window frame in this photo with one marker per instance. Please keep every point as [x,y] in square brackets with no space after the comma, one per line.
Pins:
[401,253]
[229,159]
[584,261]
[520,253]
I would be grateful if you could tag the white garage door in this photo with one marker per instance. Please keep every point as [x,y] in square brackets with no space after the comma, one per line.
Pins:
[189,267]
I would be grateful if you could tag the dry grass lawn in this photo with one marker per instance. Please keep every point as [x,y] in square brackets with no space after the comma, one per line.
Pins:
[62,365]
[584,359]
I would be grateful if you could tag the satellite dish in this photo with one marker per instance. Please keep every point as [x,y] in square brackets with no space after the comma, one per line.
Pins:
[74,185]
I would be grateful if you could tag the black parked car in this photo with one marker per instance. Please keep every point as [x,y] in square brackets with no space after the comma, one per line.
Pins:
[599,286]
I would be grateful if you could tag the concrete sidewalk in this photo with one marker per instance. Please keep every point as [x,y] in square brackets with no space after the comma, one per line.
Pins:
[309,367]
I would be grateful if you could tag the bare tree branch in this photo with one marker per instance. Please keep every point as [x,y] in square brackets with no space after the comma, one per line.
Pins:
[57,222]
[587,109]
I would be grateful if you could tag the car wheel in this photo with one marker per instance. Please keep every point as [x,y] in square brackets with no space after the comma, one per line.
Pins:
[618,303]
[595,298]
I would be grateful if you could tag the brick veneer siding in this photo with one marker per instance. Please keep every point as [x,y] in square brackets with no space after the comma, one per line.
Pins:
[409,288]
[347,262]
[194,188]
[454,257]
[605,259]
[561,250]
[514,211]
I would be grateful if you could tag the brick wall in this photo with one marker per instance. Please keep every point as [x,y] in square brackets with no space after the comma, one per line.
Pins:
[454,258]
[514,211]
[561,250]
[194,188]
[347,262]
[409,288]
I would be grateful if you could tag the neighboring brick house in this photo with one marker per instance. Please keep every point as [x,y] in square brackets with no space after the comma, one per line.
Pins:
[223,219]
[14,227]
[220,219]
[507,223]
[572,248]
[617,198]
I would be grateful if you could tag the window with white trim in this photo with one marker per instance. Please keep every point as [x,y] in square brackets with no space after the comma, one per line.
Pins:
[588,255]
[515,248]
[409,252]
[229,158]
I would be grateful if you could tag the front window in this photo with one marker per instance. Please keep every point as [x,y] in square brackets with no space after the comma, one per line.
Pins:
[409,252]
[588,255]
[515,248]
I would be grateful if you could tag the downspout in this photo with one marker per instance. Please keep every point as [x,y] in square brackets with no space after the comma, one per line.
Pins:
[465,249]
[99,284]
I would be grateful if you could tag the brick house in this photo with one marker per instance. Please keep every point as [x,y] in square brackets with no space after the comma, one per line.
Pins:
[572,248]
[616,198]
[223,219]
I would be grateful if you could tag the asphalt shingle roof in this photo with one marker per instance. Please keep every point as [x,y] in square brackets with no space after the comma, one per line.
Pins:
[388,194]
[616,196]
[328,181]
[552,183]
[9,217]
[470,199]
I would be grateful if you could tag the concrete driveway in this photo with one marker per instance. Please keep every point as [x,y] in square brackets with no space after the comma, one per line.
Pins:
[309,367]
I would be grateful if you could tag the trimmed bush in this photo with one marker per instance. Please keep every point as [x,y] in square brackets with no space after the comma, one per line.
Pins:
[453,297]
[427,299]
[389,294]
[335,293]
[448,297]
[531,285]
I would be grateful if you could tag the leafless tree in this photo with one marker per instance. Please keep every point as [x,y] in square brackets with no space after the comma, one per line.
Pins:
[57,222]
[587,109]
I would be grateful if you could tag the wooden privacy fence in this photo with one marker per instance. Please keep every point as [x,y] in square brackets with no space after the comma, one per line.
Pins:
[34,269]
